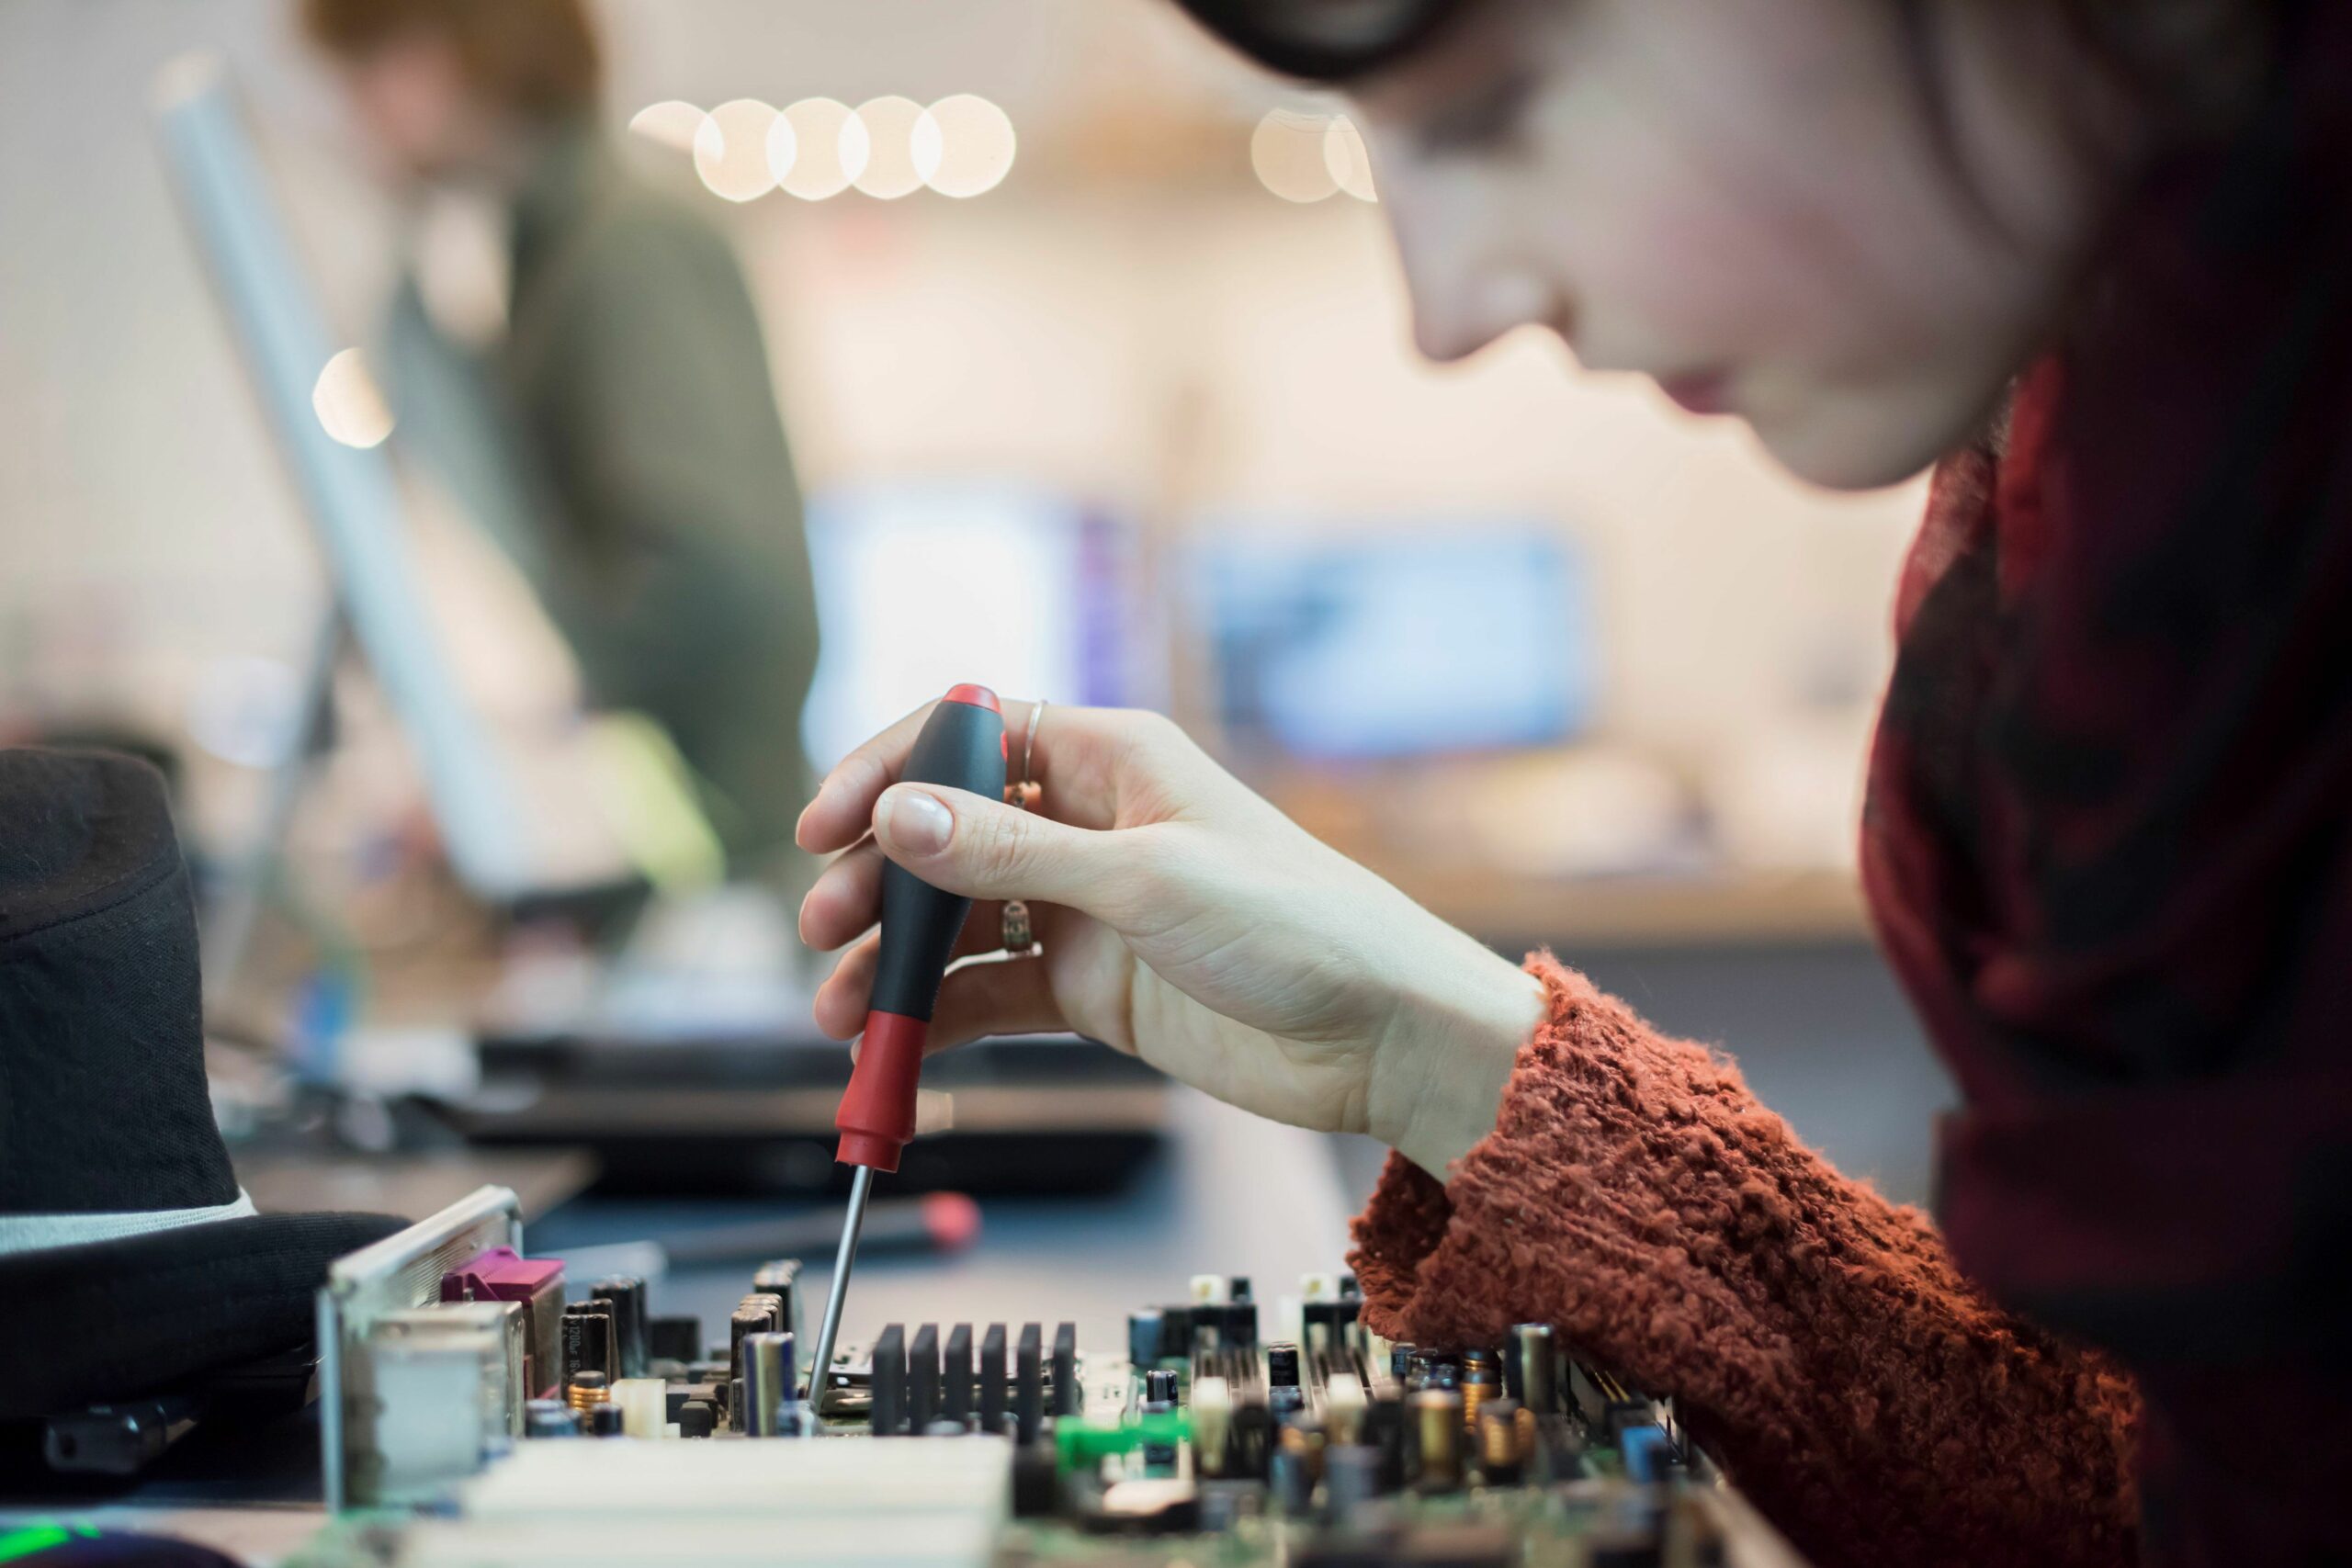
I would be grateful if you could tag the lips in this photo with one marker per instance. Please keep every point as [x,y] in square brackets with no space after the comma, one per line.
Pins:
[1707,393]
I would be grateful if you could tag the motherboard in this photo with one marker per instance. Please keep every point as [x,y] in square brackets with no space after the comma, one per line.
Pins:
[484,1409]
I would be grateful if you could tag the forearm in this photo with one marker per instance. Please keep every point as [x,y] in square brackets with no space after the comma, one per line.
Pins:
[1634,1195]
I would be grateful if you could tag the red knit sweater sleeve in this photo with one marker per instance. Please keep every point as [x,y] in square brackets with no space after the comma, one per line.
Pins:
[1817,1339]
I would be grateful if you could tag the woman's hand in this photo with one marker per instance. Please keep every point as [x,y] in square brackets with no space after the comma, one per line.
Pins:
[1181,919]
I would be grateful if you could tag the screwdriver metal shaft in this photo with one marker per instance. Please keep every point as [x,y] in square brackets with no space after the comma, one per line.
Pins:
[861,1183]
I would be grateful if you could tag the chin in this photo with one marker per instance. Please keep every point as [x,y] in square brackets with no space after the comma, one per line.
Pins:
[1853,444]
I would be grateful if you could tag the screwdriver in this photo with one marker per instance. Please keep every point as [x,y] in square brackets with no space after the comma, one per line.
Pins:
[962,746]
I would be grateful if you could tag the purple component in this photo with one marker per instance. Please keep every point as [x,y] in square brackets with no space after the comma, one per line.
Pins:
[501,1274]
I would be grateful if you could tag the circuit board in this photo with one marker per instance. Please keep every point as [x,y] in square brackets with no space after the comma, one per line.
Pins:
[519,1418]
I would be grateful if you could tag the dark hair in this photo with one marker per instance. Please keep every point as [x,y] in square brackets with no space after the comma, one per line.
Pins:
[2192,61]
[536,57]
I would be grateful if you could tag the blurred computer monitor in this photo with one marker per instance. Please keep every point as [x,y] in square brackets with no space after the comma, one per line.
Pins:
[1402,642]
[516,821]
[922,586]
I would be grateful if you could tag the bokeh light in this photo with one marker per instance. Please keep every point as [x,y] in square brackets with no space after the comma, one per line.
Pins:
[828,148]
[890,172]
[963,146]
[671,123]
[1345,155]
[347,403]
[1287,151]
[732,150]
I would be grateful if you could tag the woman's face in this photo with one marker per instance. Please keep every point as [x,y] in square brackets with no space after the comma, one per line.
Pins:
[1746,201]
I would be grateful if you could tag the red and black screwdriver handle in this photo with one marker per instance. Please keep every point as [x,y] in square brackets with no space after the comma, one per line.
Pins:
[962,746]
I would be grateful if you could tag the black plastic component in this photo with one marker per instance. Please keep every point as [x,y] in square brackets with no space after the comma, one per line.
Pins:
[992,1373]
[627,1295]
[1327,1323]
[922,1379]
[1282,1365]
[1029,1384]
[888,1412]
[1067,1400]
[1401,1360]
[674,1396]
[603,1420]
[1240,1325]
[590,1343]
[674,1340]
[697,1418]
[1237,1288]
[956,1376]
[1159,1386]
[962,746]
[1036,1480]
[1384,1428]
[1176,1330]
[1251,1443]
[1147,1329]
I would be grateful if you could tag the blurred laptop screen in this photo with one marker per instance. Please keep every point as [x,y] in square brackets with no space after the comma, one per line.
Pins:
[922,586]
[1468,637]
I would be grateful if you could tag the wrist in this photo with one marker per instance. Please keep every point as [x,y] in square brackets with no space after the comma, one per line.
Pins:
[1439,1072]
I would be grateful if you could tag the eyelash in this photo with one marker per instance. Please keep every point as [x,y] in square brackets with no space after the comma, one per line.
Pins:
[1489,119]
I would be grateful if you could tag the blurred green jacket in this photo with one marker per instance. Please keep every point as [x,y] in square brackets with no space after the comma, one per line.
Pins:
[623,445]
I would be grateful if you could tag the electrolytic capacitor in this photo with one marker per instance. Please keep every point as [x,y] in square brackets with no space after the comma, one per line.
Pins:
[1437,1426]
[1282,1365]
[767,1381]
[1291,1478]
[887,1412]
[628,1296]
[752,1314]
[1029,1383]
[956,1377]
[992,1376]
[1159,1386]
[588,1340]
[1351,1479]
[605,1421]
[922,1379]
[1530,1367]
[549,1419]
[1068,1400]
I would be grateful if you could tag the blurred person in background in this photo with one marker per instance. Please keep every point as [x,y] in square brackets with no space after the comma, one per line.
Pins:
[627,404]
[2093,259]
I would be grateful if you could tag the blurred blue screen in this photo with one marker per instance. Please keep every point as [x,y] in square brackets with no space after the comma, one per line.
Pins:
[1466,638]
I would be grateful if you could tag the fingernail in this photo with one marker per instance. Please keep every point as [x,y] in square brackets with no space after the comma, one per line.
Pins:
[914,821]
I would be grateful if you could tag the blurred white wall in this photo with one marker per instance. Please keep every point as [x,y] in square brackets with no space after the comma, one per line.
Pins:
[1168,343]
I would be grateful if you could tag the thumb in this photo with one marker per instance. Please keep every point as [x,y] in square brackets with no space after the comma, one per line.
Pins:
[981,848]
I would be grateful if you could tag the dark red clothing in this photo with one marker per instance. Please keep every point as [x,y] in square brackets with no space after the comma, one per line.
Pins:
[2109,846]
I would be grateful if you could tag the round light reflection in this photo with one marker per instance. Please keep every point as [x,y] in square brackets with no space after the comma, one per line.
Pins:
[732,150]
[890,172]
[671,123]
[1287,151]
[963,146]
[1345,157]
[830,148]
[347,403]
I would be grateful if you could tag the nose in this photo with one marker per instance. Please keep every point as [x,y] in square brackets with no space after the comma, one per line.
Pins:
[1466,285]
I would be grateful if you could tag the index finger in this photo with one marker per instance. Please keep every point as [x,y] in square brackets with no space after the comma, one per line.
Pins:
[843,807]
